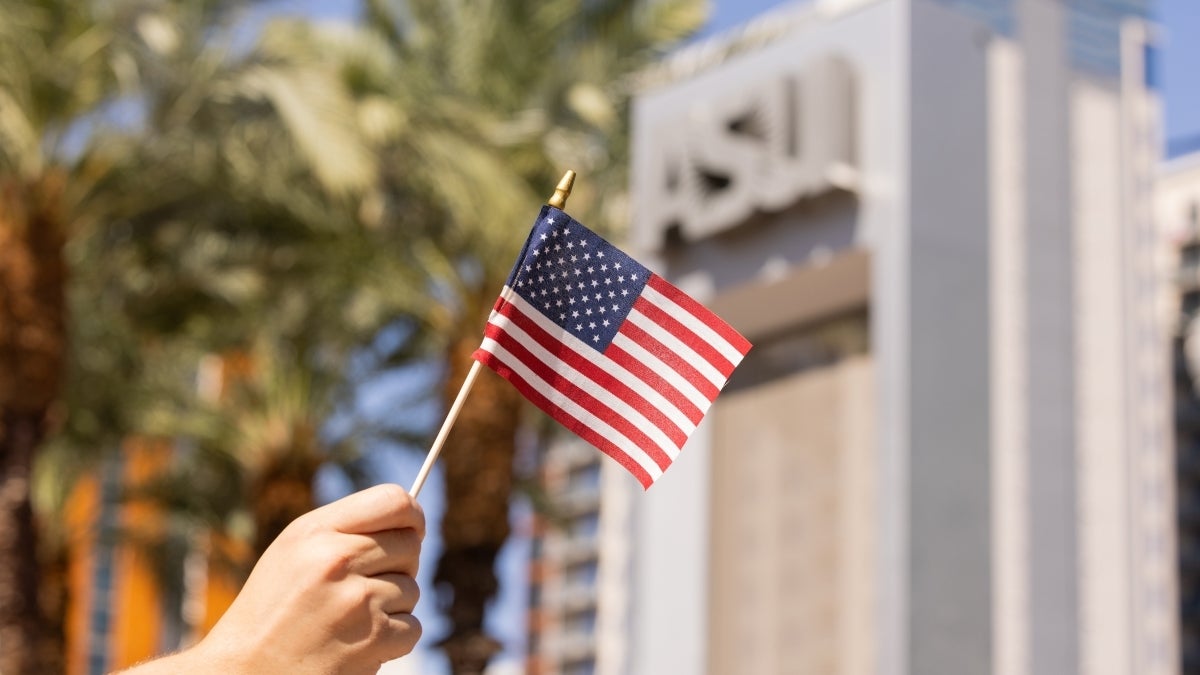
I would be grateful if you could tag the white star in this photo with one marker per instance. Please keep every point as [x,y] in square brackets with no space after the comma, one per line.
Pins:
[600,254]
[612,294]
[624,291]
[520,283]
[550,220]
[541,278]
[566,230]
[553,276]
[606,323]
[587,256]
[543,292]
[562,317]
[592,324]
[581,285]
[595,283]
[588,311]
[583,242]
[577,272]
[543,236]
[616,309]
[621,279]
[597,296]
[595,338]
[608,281]
[537,252]
[570,301]
[617,266]
[633,277]
[547,305]
[561,261]
[558,247]
[528,268]
[558,303]
[578,326]
[604,268]
[570,244]
[602,309]
[575,314]
[574,258]
[591,270]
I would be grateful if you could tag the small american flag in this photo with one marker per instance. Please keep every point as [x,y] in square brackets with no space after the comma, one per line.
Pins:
[605,347]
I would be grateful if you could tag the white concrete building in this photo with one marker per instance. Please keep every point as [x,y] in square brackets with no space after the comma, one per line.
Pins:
[950,450]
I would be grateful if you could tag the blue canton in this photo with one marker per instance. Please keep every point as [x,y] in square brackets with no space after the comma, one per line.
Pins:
[577,279]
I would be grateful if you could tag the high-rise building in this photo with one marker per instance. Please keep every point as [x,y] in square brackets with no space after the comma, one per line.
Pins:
[565,560]
[950,450]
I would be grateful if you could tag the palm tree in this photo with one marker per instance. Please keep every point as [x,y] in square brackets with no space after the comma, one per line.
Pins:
[476,108]
[54,68]
[134,142]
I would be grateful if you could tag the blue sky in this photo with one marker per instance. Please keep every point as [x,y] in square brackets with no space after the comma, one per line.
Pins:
[1180,69]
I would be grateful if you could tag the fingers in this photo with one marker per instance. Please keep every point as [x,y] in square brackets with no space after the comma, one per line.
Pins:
[394,593]
[379,508]
[404,630]
[389,551]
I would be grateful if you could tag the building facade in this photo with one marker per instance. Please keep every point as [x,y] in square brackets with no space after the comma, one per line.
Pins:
[950,450]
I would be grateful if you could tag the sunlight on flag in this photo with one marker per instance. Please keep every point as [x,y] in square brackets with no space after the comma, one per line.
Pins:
[607,348]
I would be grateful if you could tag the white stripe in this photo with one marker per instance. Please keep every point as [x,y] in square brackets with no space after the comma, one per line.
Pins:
[664,371]
[701,364]
[582,381]
[694,324]
[573,409]
[651,394]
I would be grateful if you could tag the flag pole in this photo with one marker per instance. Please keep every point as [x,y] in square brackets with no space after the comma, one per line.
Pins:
[558,201]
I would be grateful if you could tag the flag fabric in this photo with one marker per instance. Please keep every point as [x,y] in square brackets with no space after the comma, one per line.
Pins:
[605,347]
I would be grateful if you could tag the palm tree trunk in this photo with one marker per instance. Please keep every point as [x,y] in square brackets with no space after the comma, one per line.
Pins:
[32,345]
[282,491]
[20,616]
[478,465]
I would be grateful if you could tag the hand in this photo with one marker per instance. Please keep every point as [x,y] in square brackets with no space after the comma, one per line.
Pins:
[334,593]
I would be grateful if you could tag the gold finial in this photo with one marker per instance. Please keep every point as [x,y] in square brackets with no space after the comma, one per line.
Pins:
[559,200]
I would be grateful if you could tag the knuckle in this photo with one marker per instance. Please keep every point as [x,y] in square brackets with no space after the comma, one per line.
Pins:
[337,563]
[354,596]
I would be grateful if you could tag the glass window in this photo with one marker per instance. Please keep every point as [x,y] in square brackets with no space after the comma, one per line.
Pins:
[582,622]
[583,574]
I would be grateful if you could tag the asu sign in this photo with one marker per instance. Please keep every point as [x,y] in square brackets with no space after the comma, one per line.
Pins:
[761,147]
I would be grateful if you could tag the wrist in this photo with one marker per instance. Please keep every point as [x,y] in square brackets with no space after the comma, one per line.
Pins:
[213,655]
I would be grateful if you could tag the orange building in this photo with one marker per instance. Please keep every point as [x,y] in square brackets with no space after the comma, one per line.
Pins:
[129,597]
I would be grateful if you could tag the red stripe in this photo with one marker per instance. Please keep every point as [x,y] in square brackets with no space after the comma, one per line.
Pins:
[558,381]
[596,374]
[562,417]
[646,374]
[701,312]
[672,359]
[684,335]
